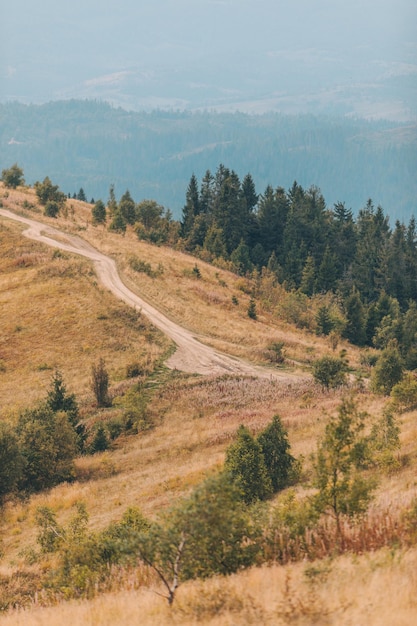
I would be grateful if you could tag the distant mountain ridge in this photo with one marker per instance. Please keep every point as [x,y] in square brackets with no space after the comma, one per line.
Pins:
[90,144]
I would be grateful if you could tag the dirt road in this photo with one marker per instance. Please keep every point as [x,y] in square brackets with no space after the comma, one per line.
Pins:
[191,354]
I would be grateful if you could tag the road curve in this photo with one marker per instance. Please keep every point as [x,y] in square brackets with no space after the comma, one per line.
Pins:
[191,354]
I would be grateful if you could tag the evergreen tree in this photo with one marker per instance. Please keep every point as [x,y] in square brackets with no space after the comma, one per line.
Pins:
[343,236]
[324,321]
[191,208]
[409,337]
[355,329]
[308,276]
[275,448]
[118,223]
[271,218]
[206,198]
[388,370]
[327,272]
[241,259]
[98,213]
[127,208]
[372,236]
[100,441]
[249,194]
[59,400]
[81,195]
[246,465]
[112,206]
[230,212]
[11,461]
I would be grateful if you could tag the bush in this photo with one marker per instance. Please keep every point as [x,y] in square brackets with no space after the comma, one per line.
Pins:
[138,265]
[11,461]
[48,445]
[404,393]
[13,176]
[330,372]
[47,192]
[388,371]
[51,208]
[275,352]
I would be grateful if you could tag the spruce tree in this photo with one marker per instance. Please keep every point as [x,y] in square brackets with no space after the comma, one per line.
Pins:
[246,465]
[275,449]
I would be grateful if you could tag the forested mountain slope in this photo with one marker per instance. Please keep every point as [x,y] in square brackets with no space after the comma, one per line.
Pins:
[89,144]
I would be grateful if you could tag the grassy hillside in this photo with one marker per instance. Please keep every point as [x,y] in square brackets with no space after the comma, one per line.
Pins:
[53,314]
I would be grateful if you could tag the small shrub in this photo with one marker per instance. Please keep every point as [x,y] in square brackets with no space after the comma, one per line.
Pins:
[235,301]
[388,371]
[404,393]
[133,370]
[275,352]
[51,208]
[138,265]
[252,310]
[330,372]
[100,441]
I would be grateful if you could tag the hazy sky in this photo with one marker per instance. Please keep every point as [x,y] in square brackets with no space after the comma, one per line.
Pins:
[209,52]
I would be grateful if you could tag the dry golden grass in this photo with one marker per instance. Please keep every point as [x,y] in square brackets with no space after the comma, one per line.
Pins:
[53,314]
[374,590]
[202,305]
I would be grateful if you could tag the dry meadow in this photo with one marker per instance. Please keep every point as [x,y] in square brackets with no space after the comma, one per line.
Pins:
[55,315]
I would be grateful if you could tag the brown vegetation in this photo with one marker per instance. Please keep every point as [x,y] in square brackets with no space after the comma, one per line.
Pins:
[54,314]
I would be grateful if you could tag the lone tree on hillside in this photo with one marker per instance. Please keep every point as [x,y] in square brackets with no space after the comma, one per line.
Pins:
[342,452]
[100,383]
[246,466]
[98,213]
[13,176]
[275,449]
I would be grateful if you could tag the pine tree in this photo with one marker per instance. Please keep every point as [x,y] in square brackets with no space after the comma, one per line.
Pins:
[127,208]
[98,213]
[191,208]
[246,465]
[355,329]
[275,448]
[388,370]
[112,205]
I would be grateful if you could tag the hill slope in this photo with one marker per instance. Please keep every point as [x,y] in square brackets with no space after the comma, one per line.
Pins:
[91,145]
[54,314]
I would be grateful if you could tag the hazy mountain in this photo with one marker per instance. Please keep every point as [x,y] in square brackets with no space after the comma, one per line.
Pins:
[92,145]
[327,56]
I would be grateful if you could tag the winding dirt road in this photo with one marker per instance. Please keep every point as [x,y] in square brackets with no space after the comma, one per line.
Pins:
[191,355]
